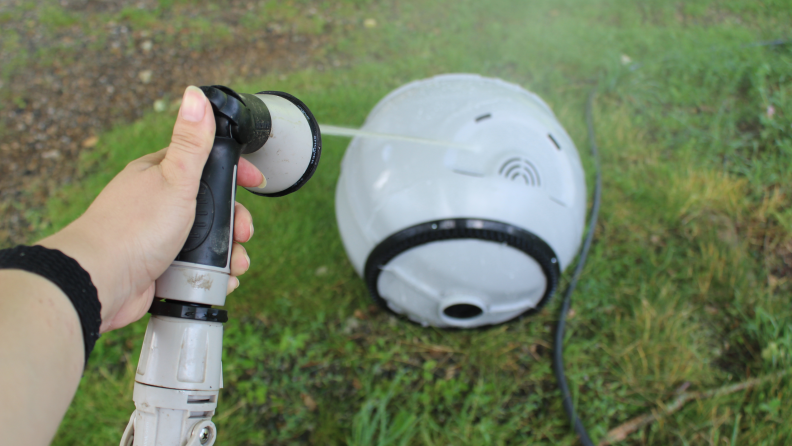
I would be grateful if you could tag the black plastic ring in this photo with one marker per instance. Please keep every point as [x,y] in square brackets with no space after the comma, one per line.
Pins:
[184,310]
[463,228]
[317,145]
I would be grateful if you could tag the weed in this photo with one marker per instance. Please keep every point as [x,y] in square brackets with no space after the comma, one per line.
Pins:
[684,286]
[55,17]
[373,424]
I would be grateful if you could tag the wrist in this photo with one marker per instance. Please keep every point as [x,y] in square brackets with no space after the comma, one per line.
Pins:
[92,254]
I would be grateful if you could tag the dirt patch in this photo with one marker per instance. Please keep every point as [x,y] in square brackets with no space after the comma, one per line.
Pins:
[87,70]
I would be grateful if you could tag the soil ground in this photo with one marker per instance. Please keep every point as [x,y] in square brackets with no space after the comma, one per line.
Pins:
[90,79]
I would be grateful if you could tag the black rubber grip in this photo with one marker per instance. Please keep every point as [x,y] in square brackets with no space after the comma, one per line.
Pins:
[209,242]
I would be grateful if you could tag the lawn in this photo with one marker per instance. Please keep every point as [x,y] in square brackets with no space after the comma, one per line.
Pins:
[687,285]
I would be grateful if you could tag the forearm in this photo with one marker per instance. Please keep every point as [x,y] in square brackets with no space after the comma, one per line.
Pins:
[41,360]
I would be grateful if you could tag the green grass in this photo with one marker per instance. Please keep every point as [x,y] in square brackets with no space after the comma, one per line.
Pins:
[685,283]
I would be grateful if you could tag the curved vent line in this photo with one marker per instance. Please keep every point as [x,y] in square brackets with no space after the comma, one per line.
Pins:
[520,170]
[555,143]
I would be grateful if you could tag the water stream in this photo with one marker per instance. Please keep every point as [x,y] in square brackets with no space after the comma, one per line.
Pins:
[334,130]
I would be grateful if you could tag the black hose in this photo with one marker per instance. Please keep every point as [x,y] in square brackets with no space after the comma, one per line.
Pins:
[558,344]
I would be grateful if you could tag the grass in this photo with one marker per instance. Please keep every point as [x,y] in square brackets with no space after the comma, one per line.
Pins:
[686,282]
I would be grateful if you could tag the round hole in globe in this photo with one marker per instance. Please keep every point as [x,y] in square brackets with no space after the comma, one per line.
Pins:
[462,311]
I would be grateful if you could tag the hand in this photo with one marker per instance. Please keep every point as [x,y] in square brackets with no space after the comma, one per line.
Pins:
[138,224]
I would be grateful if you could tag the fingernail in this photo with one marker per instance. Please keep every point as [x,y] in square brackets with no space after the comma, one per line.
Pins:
[263,181]
[251,230]
[237,282]
[248,259]
[193,104]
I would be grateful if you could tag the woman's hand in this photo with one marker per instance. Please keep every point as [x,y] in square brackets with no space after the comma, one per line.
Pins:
[138,224]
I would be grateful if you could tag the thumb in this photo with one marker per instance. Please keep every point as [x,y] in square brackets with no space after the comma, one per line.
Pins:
[192,139]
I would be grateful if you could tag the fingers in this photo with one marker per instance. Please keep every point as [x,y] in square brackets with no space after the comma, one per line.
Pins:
[248,175]
[243,224]
[192,139]
[233,283]
[240,262]
[243,230]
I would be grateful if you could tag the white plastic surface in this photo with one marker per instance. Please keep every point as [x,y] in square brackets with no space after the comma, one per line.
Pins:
[287,153]
[181,354]
[178,379]
[524,171]
[188,282]
[424,281]
[168,417]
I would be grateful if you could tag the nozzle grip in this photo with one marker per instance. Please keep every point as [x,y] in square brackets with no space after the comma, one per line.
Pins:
[209,241]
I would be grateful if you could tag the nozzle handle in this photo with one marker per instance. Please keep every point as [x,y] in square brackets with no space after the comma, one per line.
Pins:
[209,241]
[242,125]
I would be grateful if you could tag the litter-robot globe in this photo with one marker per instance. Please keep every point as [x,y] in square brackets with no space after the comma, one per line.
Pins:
[470,219]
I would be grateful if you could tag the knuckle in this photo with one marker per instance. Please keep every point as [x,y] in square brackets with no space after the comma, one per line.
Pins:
[186,141]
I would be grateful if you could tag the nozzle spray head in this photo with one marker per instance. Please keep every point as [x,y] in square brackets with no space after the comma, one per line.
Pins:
[277,132]
[291,152]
